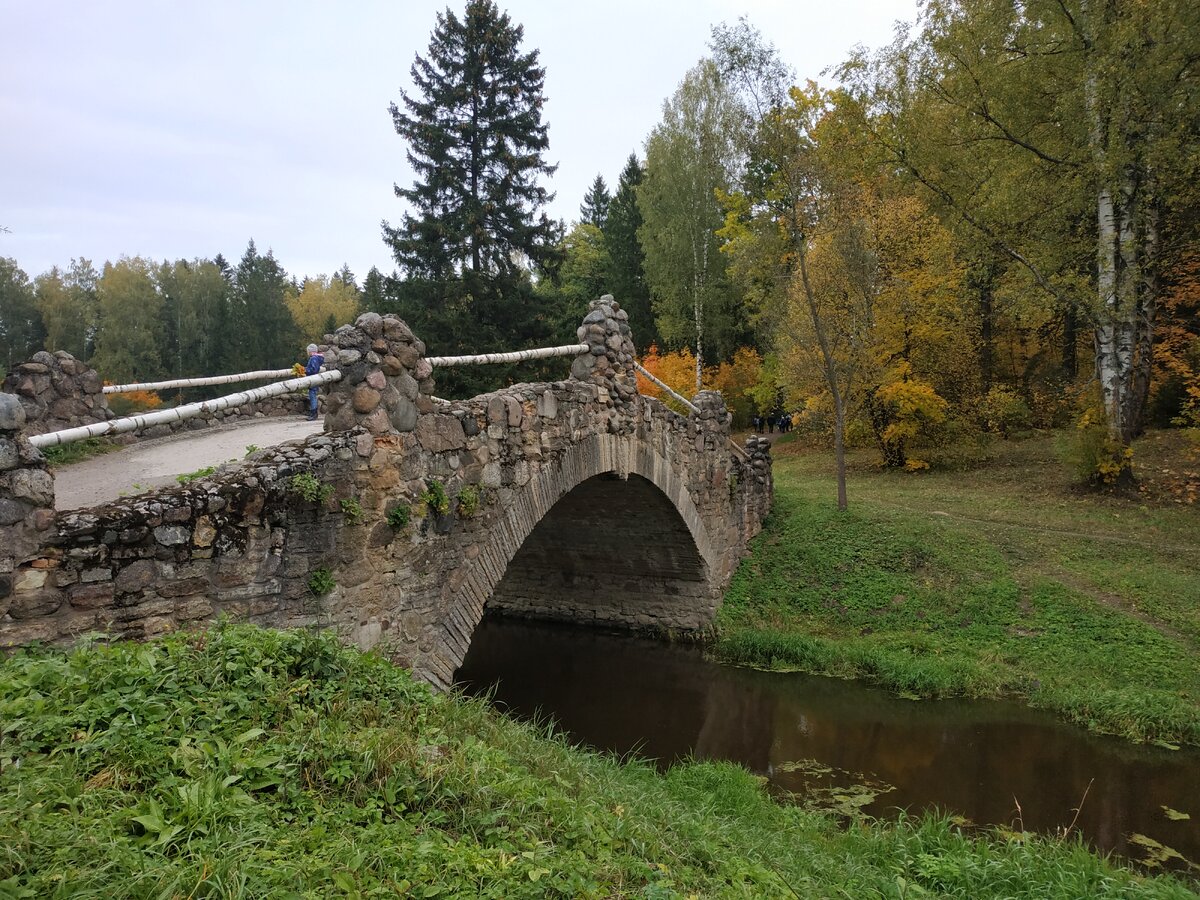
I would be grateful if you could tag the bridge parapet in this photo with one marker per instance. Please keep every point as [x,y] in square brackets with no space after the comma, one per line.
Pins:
[576,499]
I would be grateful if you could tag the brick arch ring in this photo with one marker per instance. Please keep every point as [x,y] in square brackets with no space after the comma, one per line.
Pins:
[466,594]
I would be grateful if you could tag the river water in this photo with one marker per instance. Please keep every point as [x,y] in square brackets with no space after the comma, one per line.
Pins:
[840,744]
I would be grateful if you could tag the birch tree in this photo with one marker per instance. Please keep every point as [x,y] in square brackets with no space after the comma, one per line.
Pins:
[691,156]
[1059,131]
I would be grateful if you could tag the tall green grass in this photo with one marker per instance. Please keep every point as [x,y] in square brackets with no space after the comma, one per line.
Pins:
[248,763]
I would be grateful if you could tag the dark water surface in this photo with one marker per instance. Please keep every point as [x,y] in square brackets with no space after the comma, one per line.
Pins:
[978,759]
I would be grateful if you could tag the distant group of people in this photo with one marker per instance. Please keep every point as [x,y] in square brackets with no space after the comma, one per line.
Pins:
[768,423]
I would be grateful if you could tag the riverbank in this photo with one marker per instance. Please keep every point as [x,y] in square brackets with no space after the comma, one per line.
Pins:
[239,762]
[997,581]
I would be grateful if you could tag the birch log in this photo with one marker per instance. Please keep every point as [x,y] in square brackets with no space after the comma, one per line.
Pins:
[197,382]
[180,413]
[515,356]
[674,395]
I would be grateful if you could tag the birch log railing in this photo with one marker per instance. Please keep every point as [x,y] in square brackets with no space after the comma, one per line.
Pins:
[515,356]
[261,375]
[688,404]
[180,413]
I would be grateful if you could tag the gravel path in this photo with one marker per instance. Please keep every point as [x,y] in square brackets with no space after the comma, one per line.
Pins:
[151,464]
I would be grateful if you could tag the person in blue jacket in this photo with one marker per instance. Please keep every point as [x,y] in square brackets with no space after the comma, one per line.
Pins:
[312,367]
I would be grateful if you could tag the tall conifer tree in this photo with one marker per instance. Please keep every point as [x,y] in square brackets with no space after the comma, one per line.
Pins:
[626,275]
[594,209]
[475,218]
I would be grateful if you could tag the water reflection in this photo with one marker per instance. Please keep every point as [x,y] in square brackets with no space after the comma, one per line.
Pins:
[977,759]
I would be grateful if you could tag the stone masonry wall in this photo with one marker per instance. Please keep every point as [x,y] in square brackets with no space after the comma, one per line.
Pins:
[415,528]
[57,391]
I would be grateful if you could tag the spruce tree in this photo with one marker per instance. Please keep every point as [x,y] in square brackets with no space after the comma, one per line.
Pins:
[626,276]
[475,223]
[594,209]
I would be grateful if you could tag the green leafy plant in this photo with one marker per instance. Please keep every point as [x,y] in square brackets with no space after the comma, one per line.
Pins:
[321,582]
[310,487]
[469,500]
[435,498]
[398,516]
[189,477]
[251,449]
[352,510]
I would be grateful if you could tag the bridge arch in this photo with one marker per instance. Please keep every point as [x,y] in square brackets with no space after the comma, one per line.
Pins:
[608,477]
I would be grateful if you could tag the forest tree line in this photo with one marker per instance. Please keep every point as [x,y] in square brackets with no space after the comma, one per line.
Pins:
[989,224]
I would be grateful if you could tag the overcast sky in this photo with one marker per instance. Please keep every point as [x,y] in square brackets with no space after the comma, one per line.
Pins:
[184,129]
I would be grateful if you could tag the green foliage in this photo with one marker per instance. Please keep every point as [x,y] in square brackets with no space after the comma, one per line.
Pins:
[1043,596]
[626,276]
[1093,456]
[351,509]
[1004,411]
[434,497]
[21,328]
[244,762]
[76,451]
[189,477]
[251,449]
[309,487]
[690,158]
[594,209]
[320,582]
[398,516]
[475,224]
[129,345]
[469,500]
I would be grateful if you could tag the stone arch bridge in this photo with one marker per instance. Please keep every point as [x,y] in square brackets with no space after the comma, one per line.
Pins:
[408,517]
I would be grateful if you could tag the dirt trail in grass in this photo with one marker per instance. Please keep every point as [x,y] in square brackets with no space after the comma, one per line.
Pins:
[1069,579]
[1060,532]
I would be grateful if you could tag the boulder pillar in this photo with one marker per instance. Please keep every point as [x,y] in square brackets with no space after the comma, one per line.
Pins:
[609,360]
[26,509]
[386,380]
[57,391]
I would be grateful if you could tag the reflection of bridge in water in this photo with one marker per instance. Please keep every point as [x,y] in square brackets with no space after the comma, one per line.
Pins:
[578,499]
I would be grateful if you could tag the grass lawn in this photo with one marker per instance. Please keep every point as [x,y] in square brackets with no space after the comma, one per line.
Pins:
[998,580]
[246,763]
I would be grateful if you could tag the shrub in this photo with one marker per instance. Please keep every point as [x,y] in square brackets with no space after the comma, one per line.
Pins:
[1004,411]
[1096,459]
[132,402]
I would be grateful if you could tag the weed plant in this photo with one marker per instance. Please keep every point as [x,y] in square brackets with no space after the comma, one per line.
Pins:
[310,488]
[469,499]
[398,516]
[320,582]
[189,477]
[246,763]
[352,510]
[434,497]
[77,451]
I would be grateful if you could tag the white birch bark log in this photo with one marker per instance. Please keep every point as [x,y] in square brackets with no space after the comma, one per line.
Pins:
[674,396]
[180,413]
[197,382]
[515,356]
